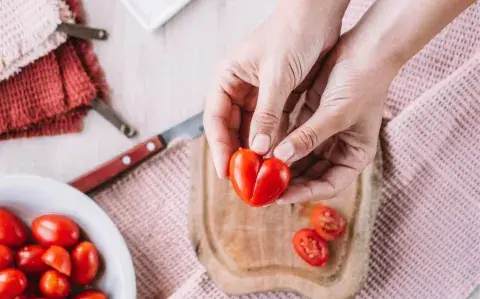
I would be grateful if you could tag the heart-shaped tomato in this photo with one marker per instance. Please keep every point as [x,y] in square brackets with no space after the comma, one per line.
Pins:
[258,182]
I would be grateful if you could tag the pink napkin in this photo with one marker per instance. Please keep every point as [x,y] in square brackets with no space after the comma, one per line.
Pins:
[28,32]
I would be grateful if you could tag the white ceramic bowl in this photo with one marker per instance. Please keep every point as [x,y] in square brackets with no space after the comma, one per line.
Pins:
[31,196]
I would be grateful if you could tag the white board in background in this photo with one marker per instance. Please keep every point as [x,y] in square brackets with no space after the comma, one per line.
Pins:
[154,13]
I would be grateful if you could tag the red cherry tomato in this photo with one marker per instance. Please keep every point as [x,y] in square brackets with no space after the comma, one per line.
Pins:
[55,230]
[243,170]
[59,259]
[12,231]
[85,263]
[29,259]
[310,247]
[257,182]
[54,284]
[12,283]
[91,295]
[6,257]
[327,222]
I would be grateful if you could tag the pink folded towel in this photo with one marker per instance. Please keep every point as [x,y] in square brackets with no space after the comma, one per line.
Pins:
[27,32]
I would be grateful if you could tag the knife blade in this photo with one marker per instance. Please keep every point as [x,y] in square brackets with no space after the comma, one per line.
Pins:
[189,129]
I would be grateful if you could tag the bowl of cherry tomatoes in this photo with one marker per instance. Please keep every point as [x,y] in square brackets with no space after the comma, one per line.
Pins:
[55,242]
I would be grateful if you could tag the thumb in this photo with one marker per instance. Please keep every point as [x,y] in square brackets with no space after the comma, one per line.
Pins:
[325,122]
[272,96]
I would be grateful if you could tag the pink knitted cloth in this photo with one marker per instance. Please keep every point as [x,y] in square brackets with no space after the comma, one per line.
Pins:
[426,241]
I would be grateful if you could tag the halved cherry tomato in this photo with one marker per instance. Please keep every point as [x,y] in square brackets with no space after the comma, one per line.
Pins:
[6,257]
[54,284]
[310,247]
[257,182]
[12,231]
[91,295]
[243,170]
[55,230]
[12,283]
[272,181]
[29,259]
[59,259]
[85,263]
[327,222]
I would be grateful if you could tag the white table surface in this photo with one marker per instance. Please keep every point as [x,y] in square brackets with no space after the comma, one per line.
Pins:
[158,79]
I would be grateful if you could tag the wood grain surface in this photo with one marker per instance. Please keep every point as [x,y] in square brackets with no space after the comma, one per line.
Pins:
[247,250]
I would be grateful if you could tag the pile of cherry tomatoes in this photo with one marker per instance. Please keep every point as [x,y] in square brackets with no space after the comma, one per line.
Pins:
[311,244]
[57,264]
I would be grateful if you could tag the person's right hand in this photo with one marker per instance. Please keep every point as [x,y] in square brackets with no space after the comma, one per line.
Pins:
[260,82]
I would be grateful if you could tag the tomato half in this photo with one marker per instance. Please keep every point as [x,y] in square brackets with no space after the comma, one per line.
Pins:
[85,263]
[29,259]
[12,231]
[243,170]
[257,182]
[59,259]
[311,247]
[12,283]
[327,222]
[6,257]
[91,295]
[54,284]
[55,230]
[272,180]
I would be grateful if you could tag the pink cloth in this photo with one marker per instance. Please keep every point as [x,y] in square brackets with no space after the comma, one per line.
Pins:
[426,241]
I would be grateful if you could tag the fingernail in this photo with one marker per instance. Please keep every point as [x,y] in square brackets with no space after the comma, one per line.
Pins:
[284,151]
[261,144]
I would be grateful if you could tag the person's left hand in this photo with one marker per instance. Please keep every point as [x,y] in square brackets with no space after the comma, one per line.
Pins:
[338,124]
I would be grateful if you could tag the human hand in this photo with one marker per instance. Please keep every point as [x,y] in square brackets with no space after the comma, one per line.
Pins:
[260,82]
[337,132]
[339,125]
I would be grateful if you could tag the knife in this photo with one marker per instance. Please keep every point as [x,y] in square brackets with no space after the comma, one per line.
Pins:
[190,129]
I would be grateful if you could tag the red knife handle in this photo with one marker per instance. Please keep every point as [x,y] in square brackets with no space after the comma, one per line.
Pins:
[118,165]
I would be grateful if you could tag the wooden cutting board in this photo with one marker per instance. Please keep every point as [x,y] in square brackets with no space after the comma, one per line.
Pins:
[248,250]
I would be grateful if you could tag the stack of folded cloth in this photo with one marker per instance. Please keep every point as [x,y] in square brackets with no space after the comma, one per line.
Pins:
[46,79]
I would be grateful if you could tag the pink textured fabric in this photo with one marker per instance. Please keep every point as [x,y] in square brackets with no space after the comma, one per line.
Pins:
[426,241]
[444,54]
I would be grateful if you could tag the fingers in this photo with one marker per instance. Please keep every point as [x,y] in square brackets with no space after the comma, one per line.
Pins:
[222,120]
[318,124]
[322,125]
[220,132]
[335,180]
[273,93]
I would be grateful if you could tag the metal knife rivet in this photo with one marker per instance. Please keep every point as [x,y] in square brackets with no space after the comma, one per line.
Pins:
[150,146]
[126,160]
[101,34]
